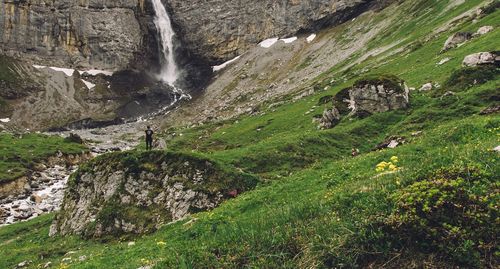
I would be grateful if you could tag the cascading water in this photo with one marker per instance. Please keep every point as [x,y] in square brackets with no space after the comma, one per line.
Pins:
[169,73]
[169,70]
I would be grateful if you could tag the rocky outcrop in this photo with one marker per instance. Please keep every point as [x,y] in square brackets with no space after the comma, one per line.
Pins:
[366,97]
[136,193]
[114,34]
[376,95]
[97,34]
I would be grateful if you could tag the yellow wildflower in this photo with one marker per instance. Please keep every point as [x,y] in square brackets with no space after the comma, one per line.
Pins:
[392,167]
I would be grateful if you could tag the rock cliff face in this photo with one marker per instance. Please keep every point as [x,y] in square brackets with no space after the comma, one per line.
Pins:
[218,30]
[120,34]
[127,193]
[99,34]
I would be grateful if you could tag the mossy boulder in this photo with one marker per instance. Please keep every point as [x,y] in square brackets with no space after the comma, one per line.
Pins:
[134,193]
[378,94]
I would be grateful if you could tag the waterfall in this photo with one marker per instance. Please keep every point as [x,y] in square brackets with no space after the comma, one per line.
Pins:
[169,71]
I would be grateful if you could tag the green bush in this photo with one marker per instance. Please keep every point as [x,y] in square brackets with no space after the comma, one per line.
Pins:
[450,213]
[465,78]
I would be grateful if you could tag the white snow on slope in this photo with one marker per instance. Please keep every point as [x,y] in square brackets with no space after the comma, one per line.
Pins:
[89,85]
[67,71]
[5,120]
[222,66]
[289,40]
[95,72]
[268,42]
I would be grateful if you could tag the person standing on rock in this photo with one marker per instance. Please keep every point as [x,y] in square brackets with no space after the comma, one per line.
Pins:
[149,138]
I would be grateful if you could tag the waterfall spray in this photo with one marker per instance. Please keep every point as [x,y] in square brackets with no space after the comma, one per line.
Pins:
[169,71]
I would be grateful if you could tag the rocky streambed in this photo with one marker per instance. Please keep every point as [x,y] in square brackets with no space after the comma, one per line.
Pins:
[43,195]
[42,191]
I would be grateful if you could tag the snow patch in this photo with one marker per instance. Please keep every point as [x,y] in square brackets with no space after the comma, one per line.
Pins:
[67,71]
[89,85]
[38,66]
[289,40]
[311,38]
[268,42]
[5,120]
[222,66]
[95,72]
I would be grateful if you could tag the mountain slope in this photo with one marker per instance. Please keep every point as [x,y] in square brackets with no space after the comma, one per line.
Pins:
[317,206]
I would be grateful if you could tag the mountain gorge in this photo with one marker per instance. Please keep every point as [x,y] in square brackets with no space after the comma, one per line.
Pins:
[287,134]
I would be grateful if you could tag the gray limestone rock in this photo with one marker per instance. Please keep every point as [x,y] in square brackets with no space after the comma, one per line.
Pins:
[378,95]
[456,39]
[138,195]
[480,58]
[330,118]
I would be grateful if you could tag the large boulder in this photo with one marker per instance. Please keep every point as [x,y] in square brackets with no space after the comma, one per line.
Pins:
[456,39]
[135,193]
[378,94]
[481,58]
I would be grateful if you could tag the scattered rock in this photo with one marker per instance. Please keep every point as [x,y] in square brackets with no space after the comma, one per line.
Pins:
[497,149]
[130,244]
[480,58]
[456,39]
[484,30]
[391,142]
[443,61]
[426,87]
[66,260]
[416,133]
[490,110]
[82,258]
[23,264]
[330,118]
[47,265]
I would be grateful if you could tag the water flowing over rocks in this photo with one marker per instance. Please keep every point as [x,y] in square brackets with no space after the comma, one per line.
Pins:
[42,194]
[137,193]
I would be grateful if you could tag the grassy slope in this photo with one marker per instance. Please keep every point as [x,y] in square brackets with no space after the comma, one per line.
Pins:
[324,210]
[17,154]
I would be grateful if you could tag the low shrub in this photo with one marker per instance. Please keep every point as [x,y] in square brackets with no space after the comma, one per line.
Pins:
[449,213]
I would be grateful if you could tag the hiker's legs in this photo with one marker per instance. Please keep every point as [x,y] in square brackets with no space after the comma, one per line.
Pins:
[149,144]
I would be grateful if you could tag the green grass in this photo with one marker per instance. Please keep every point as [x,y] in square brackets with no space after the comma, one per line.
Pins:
[19,153]
[316,206]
